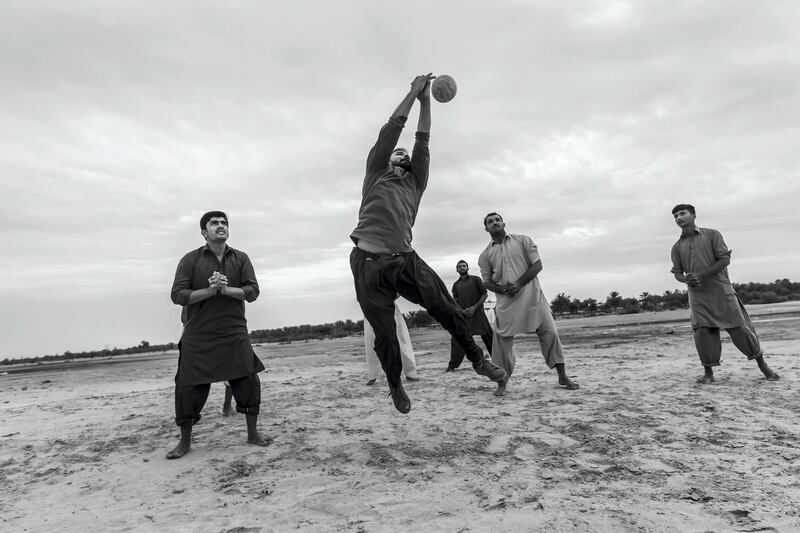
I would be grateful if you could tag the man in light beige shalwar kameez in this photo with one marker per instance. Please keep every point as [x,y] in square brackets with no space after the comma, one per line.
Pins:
[700,258]
[509,267]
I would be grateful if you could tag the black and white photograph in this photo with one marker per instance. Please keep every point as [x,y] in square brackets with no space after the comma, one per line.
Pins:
[368,266]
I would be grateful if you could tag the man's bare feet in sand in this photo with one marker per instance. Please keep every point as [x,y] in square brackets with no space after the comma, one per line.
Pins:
[253,436]
[708,378]
[501,388]
[568,383]
[563,379]
[227,410]
[179,451]
[184,445]
[258,439]
[770,374]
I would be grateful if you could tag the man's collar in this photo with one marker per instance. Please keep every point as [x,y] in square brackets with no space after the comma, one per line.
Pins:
[696,230]
[400,170]
[506,236]
[206,248]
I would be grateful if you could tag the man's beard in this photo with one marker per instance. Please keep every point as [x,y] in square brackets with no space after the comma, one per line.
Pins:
[405,165]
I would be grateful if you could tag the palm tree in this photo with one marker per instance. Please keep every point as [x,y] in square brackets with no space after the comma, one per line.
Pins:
[614,300]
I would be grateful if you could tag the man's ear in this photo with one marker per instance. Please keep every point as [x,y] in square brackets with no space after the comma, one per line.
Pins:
[204,233]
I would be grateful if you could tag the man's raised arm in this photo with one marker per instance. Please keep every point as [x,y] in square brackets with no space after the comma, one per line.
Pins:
[424,97]
[421,156]
[380,153]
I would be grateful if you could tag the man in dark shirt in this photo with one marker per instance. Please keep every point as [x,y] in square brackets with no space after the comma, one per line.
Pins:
[213,282]
[383,262]
[469,292]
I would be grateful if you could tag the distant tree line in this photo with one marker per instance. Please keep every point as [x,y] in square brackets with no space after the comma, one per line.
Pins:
[334,330]
[781,290]
[143,347]
[615,303]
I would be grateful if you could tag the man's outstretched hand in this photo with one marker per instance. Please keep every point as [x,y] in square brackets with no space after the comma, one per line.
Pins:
[421,87]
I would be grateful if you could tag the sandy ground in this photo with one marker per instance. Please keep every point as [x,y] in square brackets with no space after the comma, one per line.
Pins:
[640,447]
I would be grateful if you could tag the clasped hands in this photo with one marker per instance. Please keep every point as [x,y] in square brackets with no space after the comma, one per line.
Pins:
[510,289]
[693,280]
[218,282]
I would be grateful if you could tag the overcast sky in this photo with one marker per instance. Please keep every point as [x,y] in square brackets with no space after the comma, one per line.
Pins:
[582,123]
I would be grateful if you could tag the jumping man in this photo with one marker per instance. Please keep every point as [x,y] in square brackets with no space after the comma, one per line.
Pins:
[383,261]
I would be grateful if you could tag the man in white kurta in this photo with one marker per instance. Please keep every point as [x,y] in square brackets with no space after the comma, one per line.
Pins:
[509,267]
[406,350]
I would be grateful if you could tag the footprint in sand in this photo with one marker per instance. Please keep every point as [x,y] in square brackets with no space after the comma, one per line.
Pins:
[531,443]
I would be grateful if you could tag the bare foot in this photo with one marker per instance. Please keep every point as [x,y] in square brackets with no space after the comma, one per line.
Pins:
[227,410]
[767,371]
[705,380]
[179,451]
[501,389]
[370,382]
[568,383]
[258,440]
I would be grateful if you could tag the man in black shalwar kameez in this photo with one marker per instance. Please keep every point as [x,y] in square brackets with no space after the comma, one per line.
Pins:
[213,282]
[469,293]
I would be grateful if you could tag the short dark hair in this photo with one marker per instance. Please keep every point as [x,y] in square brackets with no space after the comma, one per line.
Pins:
[490,214]
[681,207]
[461,261]
[211,214]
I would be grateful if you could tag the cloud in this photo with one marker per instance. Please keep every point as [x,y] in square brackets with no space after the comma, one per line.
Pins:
[581,122]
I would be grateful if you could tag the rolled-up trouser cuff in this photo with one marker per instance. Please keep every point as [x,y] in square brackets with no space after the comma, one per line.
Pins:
[189,401]
[188,421]
[248,410]
[247,391]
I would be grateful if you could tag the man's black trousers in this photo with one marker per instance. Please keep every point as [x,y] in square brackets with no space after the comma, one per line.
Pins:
[379,278]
